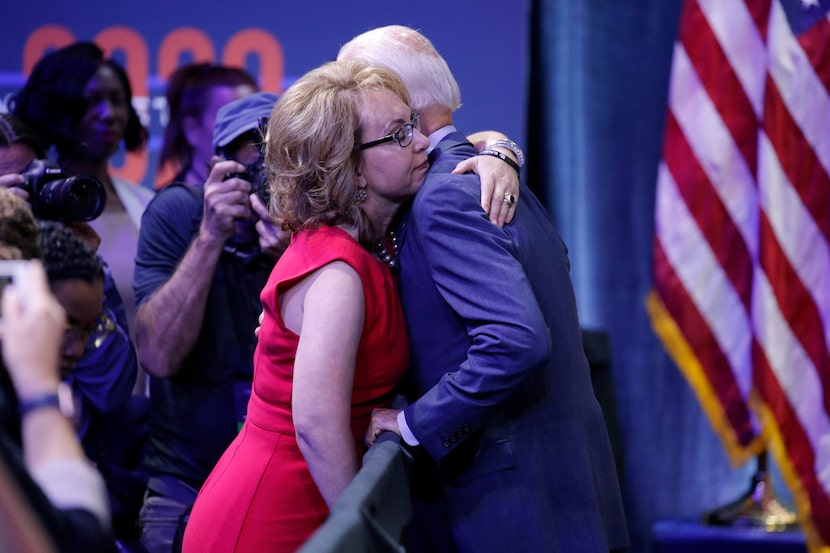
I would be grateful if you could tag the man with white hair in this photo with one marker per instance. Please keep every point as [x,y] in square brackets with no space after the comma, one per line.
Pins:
[518,456]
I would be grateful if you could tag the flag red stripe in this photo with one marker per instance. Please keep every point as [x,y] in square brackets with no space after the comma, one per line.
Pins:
[797,158]
[721,84]
[714,363]
[814,42]
[759,11]
[796,304]
[706,207]
[797,443]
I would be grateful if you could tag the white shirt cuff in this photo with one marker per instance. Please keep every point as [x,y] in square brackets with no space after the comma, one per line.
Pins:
[406,433]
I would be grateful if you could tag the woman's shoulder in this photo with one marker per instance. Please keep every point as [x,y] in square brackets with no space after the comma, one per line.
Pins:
[329,240]
[311,249]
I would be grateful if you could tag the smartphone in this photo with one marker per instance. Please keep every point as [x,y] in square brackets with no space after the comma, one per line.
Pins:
[11,271]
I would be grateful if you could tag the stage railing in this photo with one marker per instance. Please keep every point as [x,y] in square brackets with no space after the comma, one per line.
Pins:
[374,512]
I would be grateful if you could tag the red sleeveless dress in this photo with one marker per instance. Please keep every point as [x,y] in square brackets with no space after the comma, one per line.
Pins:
[261,496]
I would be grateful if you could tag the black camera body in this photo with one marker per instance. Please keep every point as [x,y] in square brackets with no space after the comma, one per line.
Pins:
[56,196]
[255,174]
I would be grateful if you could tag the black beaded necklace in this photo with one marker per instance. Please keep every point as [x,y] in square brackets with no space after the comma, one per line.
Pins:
[386,256]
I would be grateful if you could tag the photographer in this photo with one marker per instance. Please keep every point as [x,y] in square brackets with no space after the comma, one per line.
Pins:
[51,194]
[203,258]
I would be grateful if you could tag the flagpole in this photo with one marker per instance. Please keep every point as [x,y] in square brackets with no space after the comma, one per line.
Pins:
[757,507]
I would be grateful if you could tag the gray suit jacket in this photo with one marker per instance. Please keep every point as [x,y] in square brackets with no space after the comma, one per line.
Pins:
[504,401]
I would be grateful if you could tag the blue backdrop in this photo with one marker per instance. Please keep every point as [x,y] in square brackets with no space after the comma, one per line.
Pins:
[486,47]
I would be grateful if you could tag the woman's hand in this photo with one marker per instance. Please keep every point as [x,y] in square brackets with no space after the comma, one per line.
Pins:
[499,182]
[32,333]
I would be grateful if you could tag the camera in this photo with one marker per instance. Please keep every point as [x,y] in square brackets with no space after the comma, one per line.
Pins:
[255,174]
[60,197]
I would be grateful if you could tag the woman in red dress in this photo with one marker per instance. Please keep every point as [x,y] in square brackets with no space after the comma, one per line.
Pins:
[333,342]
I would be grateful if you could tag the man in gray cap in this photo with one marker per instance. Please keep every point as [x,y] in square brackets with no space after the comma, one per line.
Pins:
[204,254]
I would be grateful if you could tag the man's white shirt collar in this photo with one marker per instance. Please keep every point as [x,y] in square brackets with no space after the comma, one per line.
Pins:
[438,136]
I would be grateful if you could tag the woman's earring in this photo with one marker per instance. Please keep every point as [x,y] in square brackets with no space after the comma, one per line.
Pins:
[361,195]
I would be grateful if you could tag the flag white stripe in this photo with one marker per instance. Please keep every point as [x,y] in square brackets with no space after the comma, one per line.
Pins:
[795,230]
[703,278]
[713,146]
[740,40]
[802,90]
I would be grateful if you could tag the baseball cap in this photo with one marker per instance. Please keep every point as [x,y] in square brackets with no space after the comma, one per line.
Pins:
[241,116]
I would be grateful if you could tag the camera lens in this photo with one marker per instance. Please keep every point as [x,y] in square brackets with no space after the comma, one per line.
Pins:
[78,198]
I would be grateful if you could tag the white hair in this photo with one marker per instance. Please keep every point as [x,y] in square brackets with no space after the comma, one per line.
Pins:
[416,61]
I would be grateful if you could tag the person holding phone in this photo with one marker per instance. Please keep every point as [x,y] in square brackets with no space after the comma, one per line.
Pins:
[60,487]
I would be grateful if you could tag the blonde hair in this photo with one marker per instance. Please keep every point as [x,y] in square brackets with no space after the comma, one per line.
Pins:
[311,146]
[18,228]
[413,58]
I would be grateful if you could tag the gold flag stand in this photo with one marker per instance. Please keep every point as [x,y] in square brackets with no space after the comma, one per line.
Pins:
[756,508]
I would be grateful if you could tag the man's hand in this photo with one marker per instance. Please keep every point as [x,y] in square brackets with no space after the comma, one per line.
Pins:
[382,419]
[272,239]
[226,201]
[13,182]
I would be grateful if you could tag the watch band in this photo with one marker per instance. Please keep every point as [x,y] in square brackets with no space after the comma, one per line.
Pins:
[61,399]
[39,402]
[509,145]
[502,157]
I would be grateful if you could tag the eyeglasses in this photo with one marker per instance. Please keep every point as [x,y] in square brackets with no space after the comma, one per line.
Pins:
[93,337]
[402,136]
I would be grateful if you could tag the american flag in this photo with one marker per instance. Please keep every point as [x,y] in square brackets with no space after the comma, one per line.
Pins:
[741,296]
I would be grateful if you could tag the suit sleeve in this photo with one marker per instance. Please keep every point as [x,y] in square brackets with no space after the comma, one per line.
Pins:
[476,271]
